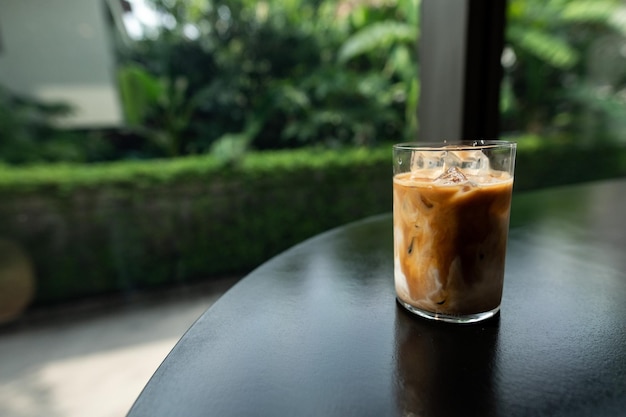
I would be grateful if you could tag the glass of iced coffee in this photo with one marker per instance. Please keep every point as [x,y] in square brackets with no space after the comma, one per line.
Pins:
[451,207]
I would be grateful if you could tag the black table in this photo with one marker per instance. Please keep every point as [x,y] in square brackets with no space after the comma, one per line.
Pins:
[316,331]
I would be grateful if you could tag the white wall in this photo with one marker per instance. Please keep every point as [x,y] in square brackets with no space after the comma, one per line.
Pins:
[60,50]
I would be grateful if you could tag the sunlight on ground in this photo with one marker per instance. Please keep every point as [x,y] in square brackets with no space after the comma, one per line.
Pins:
[104,384]
[94,364]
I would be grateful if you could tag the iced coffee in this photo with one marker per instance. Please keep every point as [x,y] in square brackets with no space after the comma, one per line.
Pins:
[451,206]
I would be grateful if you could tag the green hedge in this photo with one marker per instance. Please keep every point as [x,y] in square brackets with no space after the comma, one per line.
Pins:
[542,163]
[124,226]
[114,227]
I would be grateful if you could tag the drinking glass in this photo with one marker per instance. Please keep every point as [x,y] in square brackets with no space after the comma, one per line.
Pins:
[451,209]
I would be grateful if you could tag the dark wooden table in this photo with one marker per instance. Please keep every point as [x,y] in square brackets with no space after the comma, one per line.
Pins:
[316,331]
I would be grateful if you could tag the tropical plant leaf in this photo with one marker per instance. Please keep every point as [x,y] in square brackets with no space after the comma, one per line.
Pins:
[587,11]
[139,91]
[377,35]
[288,96]
[411,9]
[554,51]
[592,11]
[401,61]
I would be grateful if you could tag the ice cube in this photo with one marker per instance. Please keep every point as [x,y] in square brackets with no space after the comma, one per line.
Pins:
[473,162]
[429,164]
[453,159]
[428,160]
[452,176]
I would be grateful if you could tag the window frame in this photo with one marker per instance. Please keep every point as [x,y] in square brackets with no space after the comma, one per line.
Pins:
[460,49]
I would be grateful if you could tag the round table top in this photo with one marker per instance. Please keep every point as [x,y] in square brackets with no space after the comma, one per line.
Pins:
[316,331]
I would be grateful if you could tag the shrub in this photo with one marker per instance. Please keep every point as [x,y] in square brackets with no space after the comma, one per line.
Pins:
[126,226]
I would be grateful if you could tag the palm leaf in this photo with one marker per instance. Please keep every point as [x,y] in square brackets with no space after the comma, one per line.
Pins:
[375,36]
[588,11]
[554,51]
[607,13]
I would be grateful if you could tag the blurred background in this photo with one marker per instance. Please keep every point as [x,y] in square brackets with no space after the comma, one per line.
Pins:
[151,150]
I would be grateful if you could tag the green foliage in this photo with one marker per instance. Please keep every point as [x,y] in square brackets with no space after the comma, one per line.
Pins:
[377,35]
[550,50]
[139,90]
[142,175]
[29,134]
[544,162]
[228,77]
[132,225]
[564,71]
[159,109]
[272,75]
